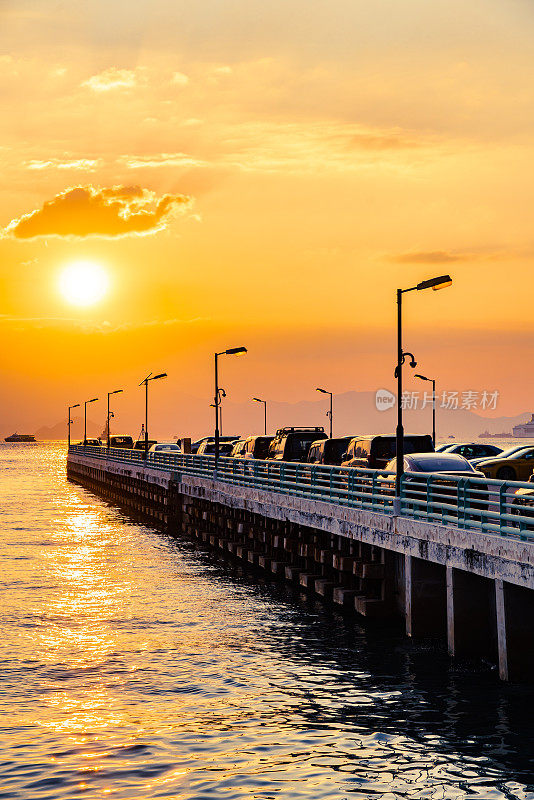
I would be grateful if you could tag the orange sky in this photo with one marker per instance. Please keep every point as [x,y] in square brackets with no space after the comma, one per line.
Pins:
[264,174]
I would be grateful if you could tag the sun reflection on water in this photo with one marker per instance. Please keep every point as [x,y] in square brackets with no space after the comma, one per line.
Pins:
[134,666]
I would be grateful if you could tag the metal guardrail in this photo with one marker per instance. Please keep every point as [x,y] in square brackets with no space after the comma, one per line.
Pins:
[478,504]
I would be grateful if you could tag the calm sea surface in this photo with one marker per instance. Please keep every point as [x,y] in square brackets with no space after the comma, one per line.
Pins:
[136,666]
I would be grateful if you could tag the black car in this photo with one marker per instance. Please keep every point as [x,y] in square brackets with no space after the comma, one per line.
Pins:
[328,451]
[471,450]
[122,441]
[374,452]
[444,489]
[292,444]
[140,444]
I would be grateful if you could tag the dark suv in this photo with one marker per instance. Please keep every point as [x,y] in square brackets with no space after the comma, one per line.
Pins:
[292,444]
[125,442]
[328,451]
[374,452]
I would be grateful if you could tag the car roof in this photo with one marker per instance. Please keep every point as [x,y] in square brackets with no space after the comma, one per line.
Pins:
[369,436]
[429,456]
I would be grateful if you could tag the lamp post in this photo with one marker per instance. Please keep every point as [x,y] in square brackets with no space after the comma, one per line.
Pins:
[232,351]
[145,381]
[433,382]
[259,400]
[433,283]
[222,393]
[117,391]
[77,405]
[85,418]
[328,413]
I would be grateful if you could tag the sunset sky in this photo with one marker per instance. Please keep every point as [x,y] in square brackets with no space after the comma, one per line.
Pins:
[263,174]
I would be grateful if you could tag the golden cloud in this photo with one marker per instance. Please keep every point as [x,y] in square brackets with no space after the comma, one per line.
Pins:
[110,212]
[112,79]
[427,257]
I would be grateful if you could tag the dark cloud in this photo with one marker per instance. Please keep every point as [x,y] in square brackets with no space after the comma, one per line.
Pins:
[109,212]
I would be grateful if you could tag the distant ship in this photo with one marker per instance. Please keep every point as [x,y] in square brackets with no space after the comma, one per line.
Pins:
[20,437]
[524,431]
[488,435]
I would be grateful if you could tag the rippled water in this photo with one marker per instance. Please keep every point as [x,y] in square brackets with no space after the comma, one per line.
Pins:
[134,665]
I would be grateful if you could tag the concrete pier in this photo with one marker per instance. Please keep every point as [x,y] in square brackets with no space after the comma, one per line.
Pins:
[473,589]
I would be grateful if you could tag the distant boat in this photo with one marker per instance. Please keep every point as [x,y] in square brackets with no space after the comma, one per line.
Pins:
[488,435]
[525,431]
[20,437]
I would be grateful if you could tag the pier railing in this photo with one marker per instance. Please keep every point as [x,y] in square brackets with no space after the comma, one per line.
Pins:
[475,503]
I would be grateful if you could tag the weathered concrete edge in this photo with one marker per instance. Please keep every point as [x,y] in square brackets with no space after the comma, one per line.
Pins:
[484,554]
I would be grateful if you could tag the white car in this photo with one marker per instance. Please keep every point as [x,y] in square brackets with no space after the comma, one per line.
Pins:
[165,447]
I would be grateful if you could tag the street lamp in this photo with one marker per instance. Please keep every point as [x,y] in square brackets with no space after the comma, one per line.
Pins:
[117,391]
[328,413]
[433,283]
[145,381]
[433,382]
[232,351]
[259,400]
[222,394]
[85,418]
[77,405]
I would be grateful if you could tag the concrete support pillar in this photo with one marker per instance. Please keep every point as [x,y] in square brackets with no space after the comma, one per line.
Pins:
[425,597]
[500,615]
[470,615]
[515,629]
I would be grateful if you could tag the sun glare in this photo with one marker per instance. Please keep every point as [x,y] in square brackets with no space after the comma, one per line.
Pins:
[83,283]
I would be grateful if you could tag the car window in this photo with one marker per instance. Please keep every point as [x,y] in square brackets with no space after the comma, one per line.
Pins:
[467,451]
[441,463]
[298,445]
[386,448]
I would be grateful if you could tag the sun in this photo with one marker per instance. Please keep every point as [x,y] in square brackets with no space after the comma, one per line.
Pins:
[83,283]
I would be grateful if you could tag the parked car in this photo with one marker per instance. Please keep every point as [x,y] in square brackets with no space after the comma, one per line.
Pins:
[92,443]
[374,452]
[517,467]
[524,504]
[292,444]
[505,453]
[165,447]
[450,463]
[140,444]
[472,450]
[124,442]
[328,451]
[446,465]
[207,448]
[238,449]
[252,447]
[196,445]
[442,447]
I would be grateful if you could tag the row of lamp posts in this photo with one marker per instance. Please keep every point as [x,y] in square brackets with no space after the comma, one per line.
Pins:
[433,283]
[145,381]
